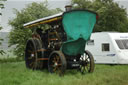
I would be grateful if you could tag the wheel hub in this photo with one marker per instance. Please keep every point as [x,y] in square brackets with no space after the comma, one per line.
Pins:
[84,63]
[32,55]
[55,64]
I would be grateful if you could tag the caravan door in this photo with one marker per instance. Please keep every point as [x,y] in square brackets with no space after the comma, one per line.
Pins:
[108,54]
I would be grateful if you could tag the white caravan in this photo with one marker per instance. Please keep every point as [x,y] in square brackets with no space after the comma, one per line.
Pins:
[109,48]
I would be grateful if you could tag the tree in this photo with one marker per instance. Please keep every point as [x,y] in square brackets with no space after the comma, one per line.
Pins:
[1,51]
[112,17]
[19,35]
[1,7]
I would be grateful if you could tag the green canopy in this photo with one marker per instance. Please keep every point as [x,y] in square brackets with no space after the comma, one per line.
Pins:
[78,26]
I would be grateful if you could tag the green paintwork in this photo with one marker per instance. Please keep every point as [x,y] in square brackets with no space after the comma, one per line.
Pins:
[78,26]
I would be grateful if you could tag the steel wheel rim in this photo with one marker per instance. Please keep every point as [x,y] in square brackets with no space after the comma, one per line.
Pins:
[30,55]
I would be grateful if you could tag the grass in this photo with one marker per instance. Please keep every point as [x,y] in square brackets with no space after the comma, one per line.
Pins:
[15,73]
[5,60]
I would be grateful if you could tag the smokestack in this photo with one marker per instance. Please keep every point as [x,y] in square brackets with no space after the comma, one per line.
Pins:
[68,7]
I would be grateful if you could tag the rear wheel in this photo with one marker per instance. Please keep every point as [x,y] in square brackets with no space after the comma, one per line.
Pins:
[86,62]
[57,63]
[32,53]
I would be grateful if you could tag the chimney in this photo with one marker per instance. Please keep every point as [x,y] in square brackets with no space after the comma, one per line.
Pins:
[68,7]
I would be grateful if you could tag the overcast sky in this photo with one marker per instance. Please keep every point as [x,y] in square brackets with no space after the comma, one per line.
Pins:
[7,13]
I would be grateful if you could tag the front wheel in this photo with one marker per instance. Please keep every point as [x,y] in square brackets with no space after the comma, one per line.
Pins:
[86,62]
[57,63]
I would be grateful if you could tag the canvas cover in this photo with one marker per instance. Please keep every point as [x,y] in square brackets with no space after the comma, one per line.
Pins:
[78,26]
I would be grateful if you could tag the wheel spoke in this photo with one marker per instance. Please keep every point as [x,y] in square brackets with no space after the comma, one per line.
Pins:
[82,69]
[82,58]
[52,65]
[59,71]
[54,60]
[55,68]
[58,59]
[85,69]
[30,57]
[59,65]
[31,64]
[34,65]
[29,51]
[86,59]
[31,46]
[89,66]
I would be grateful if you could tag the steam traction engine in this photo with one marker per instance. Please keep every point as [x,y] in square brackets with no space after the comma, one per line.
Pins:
[62,45]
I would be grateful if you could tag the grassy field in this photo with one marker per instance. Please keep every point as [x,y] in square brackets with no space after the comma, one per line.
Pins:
[15,73]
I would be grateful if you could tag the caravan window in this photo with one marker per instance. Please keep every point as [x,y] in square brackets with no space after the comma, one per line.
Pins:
[90,42]
[105,47]
[122,44]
